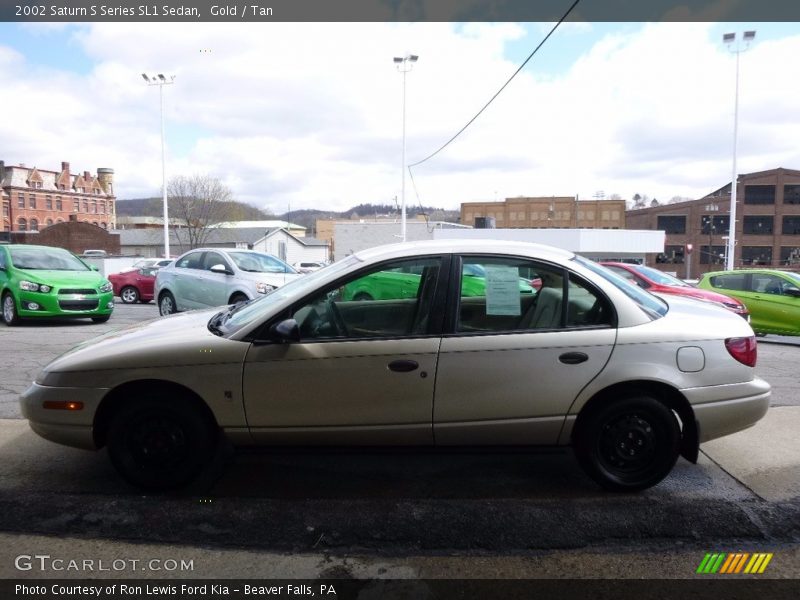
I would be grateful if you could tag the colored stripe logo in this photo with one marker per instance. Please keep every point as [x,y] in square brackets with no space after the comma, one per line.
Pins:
[734,563]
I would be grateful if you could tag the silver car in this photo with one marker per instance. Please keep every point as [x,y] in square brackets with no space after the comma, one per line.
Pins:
[207,277]
[582,358]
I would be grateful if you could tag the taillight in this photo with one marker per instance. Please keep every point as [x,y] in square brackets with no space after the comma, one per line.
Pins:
[743,349]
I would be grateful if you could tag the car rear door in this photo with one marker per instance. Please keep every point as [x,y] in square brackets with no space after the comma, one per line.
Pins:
[514,361]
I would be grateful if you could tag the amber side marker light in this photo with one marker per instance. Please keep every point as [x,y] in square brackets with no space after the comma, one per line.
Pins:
[63,405]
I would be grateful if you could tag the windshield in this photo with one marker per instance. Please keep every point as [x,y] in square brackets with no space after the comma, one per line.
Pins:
[257,310]
[255,262]
[660,277]
[655,307]
[795,277]
[46,259]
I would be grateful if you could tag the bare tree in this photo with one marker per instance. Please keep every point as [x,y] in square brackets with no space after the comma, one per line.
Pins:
[196,204]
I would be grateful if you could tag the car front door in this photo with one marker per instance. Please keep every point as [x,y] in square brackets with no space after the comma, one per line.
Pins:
[778,309]
[215,285]
[187,277]
[362,372]
[515,360]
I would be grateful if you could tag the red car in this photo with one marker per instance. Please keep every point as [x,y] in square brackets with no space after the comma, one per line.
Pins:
[134,285]
[657,281]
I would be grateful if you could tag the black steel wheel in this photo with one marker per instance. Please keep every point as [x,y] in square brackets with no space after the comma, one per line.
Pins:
[629,444]
[160,442]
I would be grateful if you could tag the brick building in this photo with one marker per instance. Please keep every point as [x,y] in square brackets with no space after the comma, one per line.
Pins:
[547,212]
[34,198]
[767,226]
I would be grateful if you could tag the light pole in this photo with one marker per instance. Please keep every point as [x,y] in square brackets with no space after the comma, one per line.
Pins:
[160,80]
[404,65]
[735,47]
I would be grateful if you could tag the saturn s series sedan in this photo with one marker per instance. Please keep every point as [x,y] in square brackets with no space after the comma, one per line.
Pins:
[630,380]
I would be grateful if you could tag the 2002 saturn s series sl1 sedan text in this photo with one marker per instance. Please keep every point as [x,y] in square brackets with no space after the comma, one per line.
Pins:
[630,380]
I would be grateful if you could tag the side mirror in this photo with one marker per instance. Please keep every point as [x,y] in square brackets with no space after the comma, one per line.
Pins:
[220,269]
[793,292]
[93,267]
[285,331]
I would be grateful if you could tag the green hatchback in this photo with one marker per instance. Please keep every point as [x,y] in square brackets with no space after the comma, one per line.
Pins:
[771,296]
[41,281]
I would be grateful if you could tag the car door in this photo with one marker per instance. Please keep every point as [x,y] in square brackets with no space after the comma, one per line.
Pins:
[186,280]
[513,362]
[362,372]
[215,287]
[778,308]
[145,279]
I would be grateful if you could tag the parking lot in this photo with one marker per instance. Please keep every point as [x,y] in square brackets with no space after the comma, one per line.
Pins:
[443,509]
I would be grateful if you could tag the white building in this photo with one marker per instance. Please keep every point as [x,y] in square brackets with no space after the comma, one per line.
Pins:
[350,237]
[292,248]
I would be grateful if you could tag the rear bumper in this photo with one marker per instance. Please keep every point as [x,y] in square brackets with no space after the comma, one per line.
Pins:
[726,409]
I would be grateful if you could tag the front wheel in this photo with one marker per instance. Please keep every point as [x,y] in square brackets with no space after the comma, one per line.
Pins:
[160,442]
[10,316]
[629,444]
[166,304]
[129,294]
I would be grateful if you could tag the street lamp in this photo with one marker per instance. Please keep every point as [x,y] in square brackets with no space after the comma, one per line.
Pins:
[404,65]
[161,80]
[735,47]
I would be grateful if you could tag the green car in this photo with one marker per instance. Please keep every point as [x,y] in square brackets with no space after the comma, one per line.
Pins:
[41,281]
[771,296]
[403,282]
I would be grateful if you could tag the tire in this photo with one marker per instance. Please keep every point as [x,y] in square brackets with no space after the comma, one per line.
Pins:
[238,297]
[10,316]
[629,444]
[160,442]
[129,294]
[166,304]
[362,297]
[103,319]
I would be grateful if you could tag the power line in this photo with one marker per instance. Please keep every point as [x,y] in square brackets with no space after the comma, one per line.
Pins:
[530,56]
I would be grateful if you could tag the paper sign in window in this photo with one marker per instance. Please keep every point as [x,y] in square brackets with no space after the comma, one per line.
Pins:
[502,291]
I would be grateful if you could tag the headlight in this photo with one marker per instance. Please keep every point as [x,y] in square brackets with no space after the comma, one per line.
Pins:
[30,286]
[265,288]
[106,287]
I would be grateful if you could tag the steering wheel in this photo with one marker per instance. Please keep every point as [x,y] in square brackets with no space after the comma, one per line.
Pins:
[335,318]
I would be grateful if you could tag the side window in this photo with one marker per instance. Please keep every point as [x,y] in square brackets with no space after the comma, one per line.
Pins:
[731,281]
[504,295]
[193,260]
[626,274]
[2,259]
[214,258]
[392,301]
[768,284]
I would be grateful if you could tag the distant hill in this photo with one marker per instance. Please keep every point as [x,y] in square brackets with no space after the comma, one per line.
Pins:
[154,207]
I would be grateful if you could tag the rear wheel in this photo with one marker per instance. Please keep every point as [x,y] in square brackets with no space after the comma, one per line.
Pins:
[166,304]
[129,294]
[629,444]
[10,316]
[160,442]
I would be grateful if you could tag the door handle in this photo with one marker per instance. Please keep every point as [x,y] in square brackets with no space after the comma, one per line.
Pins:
[573,358]
[403,366]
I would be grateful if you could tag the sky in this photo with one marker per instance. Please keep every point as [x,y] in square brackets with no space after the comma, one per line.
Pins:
[310,115]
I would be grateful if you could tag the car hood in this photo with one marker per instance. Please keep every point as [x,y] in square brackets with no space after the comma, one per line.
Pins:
[178,340]
[61,278]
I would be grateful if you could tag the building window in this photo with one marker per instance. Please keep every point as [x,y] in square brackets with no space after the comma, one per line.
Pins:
[791,194]
[669,223]
[791,225]
[758,224]
[103,208]
[715,255]
[6,210]
[32,200]
[20,200]
[22,224]
[76,205]
[48,202]
[716,225]
[757,255]
[59,204]
[790,256]
[86,206]
[34,225]
[94,206]
[103,225]
[110,189]
[672,255]
[48,222]
[759,194]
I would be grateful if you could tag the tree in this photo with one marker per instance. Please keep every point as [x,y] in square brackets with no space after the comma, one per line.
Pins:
[197,203]
[654,202]
[638,201]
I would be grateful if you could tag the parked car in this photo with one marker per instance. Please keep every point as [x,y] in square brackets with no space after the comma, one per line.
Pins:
[215,276]
[629,379]
[659,282]
[308,266]
[772,296]
[152,263]
[94,253]
[41,281]
[134,285]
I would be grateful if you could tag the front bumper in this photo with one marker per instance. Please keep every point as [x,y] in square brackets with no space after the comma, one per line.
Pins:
[68,427]
[723,409]
[64,305]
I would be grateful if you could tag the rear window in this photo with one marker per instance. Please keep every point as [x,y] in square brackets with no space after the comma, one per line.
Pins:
[729,281]
[655,307]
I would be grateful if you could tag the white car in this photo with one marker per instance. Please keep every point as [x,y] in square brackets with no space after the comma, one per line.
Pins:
[308,266]
[630,380]
[207,277]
